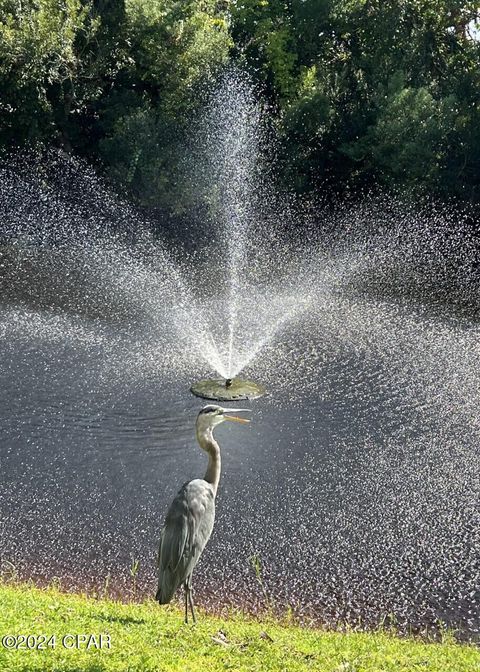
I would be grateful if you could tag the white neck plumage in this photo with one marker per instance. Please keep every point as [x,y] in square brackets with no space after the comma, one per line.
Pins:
[211,447]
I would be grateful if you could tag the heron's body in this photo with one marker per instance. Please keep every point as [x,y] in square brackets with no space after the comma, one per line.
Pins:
[190,518]
[187,528]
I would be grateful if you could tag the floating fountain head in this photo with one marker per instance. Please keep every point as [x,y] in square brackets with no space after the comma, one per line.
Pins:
[231,389]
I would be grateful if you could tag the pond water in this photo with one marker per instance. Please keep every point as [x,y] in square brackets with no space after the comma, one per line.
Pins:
[355,486]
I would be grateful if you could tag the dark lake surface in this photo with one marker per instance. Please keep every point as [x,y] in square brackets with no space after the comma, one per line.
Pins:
[356,485]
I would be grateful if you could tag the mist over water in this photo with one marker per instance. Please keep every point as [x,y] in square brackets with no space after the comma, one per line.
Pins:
[357,485]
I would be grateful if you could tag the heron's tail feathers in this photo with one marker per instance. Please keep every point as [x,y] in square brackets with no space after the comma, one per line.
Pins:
[166,588]
[162,598]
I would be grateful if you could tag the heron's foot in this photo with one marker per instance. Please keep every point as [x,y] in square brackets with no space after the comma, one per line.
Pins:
[190,601]
[185,620]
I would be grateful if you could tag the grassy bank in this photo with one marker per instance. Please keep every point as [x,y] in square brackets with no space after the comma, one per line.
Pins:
[147,637]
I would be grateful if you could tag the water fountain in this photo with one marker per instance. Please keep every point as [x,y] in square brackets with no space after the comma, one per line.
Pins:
[357,484]
[231,389]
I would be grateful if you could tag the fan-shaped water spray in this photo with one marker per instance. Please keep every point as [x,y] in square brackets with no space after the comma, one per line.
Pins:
[357,486]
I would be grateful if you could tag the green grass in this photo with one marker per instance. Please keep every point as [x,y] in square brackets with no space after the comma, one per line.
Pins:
[152,638]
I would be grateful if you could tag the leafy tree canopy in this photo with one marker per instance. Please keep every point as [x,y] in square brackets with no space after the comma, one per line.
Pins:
[363,92]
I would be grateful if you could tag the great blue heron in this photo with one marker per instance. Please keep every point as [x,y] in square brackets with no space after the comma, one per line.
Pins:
[189,521]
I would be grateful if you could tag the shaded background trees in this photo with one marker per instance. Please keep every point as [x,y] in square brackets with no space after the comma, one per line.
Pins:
[363,92]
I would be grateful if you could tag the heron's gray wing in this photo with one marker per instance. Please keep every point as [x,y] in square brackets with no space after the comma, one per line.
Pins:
[187,528]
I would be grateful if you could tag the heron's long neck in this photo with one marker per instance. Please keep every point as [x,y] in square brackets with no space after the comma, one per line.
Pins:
[209,445]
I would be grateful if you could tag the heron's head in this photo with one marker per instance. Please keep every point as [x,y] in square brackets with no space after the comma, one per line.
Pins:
[210,416]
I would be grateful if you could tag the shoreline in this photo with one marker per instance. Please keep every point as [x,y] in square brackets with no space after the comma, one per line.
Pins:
[143,637]
[256,610]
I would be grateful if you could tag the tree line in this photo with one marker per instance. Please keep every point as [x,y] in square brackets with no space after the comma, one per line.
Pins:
[361,92]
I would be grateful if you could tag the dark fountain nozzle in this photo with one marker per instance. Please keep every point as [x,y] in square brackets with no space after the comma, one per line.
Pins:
[228,383]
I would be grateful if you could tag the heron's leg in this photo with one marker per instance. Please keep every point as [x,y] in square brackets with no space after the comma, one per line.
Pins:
[185,585]
[190,597]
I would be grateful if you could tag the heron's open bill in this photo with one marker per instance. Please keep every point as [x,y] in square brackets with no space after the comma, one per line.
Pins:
[236,418]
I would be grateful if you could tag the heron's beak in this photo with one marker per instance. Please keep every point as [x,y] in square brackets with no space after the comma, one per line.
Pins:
[236,418]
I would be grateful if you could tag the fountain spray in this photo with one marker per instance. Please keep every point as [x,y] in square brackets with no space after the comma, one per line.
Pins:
[231,136]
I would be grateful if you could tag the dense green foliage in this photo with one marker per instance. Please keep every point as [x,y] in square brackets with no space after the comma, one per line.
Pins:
[147,638]
[363,92]
[378,91]
[109,79]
